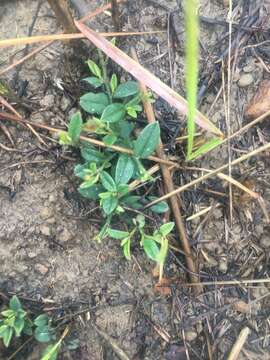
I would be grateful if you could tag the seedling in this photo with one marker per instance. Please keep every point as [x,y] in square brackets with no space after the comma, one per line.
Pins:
[15,321]
[105,173]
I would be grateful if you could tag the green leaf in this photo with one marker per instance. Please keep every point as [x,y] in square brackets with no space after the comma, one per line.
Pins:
[94,103]
[64,138]
[165,229]
[113,83]
[92,192]
[91,155]
[8,313]
[163,251]
[151,248]
[75,127]
[126,249]
[109,139]
[126,89]
[51,351]
[41,320]
[126,128]
[113,113]
[18,326]
[147,141]
[192,66]
[42,333]
[7,336]
[3,329]
[117,234]
[27,329]
[14,303]
[160,207]
[95,70]
[124,169]
[132,201]
[210,145]
[89,181]
[131,112]
[122,189]
[108,182]
[93,81]
[109,204]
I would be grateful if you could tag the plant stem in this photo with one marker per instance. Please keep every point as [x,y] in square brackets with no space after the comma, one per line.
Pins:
[105,74]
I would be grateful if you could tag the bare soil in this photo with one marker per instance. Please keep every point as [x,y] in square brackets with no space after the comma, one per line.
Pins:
[47,253]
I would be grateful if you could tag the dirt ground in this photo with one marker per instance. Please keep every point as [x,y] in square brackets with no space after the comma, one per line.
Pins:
[47,252]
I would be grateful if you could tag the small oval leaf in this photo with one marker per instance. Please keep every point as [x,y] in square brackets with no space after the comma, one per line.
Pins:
[147,141]
[113,113]
[107,181]
[94,103]
[124,169]
[151,248]
[93,81]
[126,89]
[75,127]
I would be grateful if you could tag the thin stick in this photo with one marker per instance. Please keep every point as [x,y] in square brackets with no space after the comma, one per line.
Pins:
[63,14]
[230,282]
[238,345]
[84,138]
[63,37]
[228,117]
[211,173]
[169,186]
[11,108]
[115,15]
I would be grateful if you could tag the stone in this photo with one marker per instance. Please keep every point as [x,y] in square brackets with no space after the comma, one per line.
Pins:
[45,213]
[42,269]
[65,235]
[32,254]
[223,266]
[52,198]
[245,80]
[65,103]
[45,230]
[265,241]
[47,101]
[191,335]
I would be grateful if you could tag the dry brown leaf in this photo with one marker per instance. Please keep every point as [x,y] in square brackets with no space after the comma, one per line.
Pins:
[260,103]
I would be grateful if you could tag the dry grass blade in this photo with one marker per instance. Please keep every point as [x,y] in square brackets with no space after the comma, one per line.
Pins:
[143,75]
[211,173]
[238,345]
[63,37]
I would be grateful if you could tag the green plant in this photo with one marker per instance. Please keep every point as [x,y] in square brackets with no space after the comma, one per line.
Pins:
[16,321]
[192,70]
[155,245]
[106,174]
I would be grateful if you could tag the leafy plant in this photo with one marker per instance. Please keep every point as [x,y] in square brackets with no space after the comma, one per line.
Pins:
[155,245]
[106,174]
[16,321]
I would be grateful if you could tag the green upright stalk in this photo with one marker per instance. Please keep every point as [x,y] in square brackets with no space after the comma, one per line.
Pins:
[192,67]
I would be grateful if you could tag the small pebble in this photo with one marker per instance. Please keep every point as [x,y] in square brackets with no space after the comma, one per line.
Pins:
[45,213]
[42,269]
[265,241]
[65,236]
[190,335]
[45,230]
[223,266]
[32,254]
[245,80]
